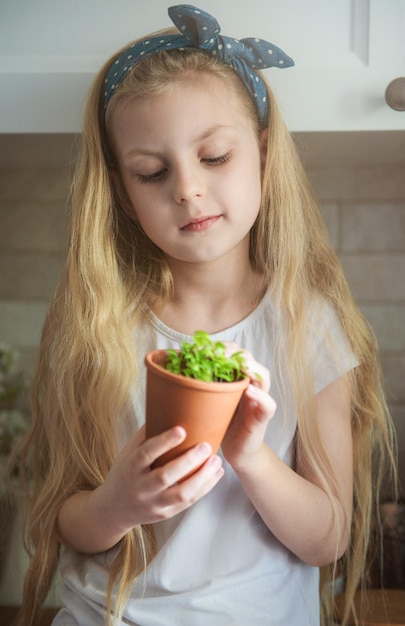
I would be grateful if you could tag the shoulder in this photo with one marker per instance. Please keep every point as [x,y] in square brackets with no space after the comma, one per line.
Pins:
[328,345]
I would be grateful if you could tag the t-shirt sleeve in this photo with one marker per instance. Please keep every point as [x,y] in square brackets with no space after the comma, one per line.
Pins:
[332,355]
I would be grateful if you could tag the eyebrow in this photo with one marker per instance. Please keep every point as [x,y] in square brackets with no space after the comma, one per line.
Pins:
[206,134]
[211,131]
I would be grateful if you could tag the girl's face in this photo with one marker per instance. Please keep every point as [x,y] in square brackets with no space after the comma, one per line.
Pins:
[190,164]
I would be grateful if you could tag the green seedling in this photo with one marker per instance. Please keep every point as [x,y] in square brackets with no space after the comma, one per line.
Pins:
[205,360]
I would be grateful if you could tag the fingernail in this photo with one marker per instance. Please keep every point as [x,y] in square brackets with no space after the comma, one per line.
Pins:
[178,432]
[253,391]
[215,462]
[203,449]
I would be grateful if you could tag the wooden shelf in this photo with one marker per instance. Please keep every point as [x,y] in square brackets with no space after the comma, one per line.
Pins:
[375,607]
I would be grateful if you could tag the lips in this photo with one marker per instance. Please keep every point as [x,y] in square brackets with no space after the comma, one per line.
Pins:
[200,224]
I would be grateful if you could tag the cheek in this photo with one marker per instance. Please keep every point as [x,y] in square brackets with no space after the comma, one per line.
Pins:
[151,216]
[148,223]
[140,204]
[250,190]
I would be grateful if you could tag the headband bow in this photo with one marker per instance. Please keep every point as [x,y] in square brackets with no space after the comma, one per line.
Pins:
[198,29]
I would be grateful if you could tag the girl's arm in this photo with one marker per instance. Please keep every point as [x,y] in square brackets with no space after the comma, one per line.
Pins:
[294,504]
[133,493]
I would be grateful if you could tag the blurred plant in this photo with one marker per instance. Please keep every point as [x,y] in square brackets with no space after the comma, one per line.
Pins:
[13,420]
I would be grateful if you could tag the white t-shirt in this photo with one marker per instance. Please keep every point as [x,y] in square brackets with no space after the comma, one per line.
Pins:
[217,563]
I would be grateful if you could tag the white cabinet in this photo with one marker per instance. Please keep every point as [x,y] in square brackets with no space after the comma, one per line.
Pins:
[346,53]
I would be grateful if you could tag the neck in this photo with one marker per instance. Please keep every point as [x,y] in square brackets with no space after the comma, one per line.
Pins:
[210,297]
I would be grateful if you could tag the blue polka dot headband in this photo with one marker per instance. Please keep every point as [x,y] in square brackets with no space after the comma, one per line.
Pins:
[198,29]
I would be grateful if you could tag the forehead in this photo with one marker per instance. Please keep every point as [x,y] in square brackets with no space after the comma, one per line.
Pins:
[195,91]
[182,117]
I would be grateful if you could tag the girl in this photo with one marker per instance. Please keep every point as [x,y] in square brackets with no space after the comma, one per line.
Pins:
[191,211]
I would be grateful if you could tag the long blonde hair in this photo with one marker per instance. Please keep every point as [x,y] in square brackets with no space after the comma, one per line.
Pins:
[86,367]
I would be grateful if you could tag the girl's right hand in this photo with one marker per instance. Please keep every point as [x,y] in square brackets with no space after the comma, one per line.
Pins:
[135,493]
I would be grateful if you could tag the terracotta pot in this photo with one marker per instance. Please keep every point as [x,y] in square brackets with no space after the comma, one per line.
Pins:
[205,410]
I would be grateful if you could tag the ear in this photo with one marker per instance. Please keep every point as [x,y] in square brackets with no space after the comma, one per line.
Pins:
[264,136]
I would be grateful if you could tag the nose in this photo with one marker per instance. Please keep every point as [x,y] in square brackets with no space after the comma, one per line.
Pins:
[188,184]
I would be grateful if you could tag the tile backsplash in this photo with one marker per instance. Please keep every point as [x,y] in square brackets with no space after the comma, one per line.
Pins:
[364,208]
[363,204]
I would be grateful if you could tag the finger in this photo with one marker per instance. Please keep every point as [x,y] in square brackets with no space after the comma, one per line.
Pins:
[258,374]
[202,480]
[180,467]
[154,447]
[264,405]
[186,492]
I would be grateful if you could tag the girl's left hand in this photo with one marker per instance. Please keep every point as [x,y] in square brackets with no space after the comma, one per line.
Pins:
[244,438]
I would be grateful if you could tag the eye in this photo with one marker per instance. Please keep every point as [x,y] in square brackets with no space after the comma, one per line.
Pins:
[151,178]
[223,158]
